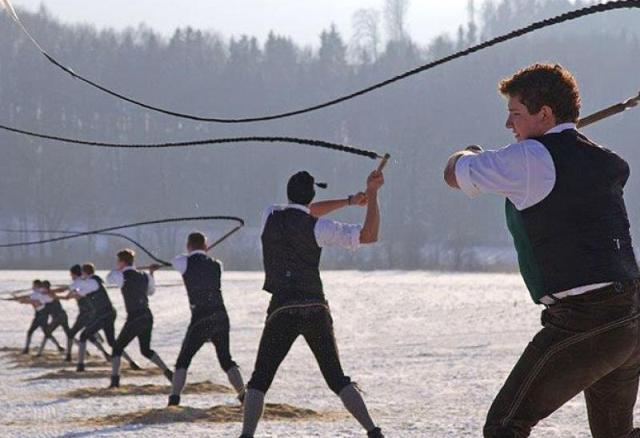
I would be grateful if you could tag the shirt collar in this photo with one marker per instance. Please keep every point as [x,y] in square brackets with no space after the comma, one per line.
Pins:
[197,251]
[561,127]
[299,207]
[128,268]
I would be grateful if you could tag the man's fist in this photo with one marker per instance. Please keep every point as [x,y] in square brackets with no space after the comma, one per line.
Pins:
[375,180]
[359,199]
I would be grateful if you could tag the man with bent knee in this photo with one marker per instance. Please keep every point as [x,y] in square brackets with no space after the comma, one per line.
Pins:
[209,318]
[566,211]
[136,286]
[292,240]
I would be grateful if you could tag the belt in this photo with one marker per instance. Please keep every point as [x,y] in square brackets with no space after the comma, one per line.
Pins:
[296,306]
[554,298]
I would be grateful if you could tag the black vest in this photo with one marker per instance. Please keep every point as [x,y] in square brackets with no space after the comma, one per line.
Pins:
[54,308]
[202,280]
[579,234]
[134,291]
[84,305]
[291,255]
[100,300]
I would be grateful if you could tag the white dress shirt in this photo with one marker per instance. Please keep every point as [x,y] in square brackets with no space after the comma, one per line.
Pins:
[327,232]
[522,172]
[116,278]
[84,286]
[179,263]
[41,297]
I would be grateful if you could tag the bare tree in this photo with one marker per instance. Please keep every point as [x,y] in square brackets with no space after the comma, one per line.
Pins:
[395,14]
[366,34]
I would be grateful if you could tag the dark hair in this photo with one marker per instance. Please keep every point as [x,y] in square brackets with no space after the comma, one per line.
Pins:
[300,188]
[46,283]
[37,283]
[126,256]
[545,84]
[89,268]
[76,270]
[197,240]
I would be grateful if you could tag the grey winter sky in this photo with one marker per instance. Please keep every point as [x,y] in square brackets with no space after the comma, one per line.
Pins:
[301,19]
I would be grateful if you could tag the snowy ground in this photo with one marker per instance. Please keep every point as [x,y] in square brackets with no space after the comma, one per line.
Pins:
[430,350]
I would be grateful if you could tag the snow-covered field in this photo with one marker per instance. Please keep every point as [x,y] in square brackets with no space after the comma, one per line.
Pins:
[430,351]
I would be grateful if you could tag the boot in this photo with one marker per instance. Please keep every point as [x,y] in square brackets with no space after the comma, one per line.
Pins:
[375,433]
[115,382]
[80,368]
[174,400]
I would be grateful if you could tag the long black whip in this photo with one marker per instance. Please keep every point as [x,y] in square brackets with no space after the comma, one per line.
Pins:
[110,230]
[568,16]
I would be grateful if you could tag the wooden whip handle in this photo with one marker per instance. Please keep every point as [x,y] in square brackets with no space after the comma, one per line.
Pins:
[608,112]
[383,162]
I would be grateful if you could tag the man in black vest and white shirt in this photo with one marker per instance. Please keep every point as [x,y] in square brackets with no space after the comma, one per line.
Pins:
[136,286]
[38,299]
[292,240]
[566,212]
[85,310]
[209,319]
[91,287]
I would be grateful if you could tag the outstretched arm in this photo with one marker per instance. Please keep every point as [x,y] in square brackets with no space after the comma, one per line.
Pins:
[450,169]
[371,227]
[323,208]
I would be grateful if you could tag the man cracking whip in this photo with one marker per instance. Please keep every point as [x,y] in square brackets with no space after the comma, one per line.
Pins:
[292,240]
[38,299]
[209,318]
[136,286]
[85,310]
[566,212]
[91,287]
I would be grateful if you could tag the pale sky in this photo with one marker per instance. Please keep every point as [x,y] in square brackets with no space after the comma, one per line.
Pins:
[301,19]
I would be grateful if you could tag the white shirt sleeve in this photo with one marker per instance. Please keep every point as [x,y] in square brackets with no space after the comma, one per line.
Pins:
[522,172]
[151,288]
[331,233]
[115,278]
[179,263]
[86,287]
[266,213]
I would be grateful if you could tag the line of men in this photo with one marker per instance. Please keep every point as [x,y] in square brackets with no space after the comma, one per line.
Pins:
[293,237]
[566,212]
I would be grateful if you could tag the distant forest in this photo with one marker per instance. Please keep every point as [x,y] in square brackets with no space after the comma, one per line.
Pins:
[420,121]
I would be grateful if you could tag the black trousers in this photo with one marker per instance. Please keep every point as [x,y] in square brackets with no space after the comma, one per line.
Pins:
[207,328]
[137,325]
[39,321]
[103,321]
[282,328]
[58,319]
[588,343]
[83,319]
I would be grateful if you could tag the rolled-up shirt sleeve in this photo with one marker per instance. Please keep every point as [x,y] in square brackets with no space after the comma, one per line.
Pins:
[463,176]
[179,263]
[115,278]
[522,172]
[332,233]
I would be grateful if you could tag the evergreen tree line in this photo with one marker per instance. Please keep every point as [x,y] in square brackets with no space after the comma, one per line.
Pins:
[420,121]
